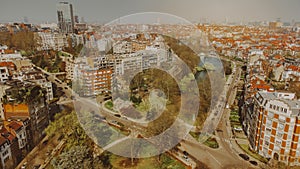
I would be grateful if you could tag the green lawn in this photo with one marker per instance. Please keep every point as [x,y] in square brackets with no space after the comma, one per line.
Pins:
[211,142]
[245,147]
[165,162]
[109,105]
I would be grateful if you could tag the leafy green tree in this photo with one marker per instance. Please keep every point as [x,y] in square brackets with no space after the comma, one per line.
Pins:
[77,157]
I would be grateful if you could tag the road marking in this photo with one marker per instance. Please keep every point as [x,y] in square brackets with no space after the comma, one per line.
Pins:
[213,158]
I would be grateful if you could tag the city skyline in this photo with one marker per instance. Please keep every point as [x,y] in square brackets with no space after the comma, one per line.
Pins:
[195,11]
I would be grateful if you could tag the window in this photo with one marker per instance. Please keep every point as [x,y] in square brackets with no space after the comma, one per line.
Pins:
[267,143]
[280,126]
[269,123]
[281,118]
[4,153]
[268,131]
[265,150]
[279,134]
[278,142]
[270,115]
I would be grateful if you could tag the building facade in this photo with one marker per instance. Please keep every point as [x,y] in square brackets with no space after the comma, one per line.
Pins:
[274,128]
[95,81]
[48,40]
[65,17]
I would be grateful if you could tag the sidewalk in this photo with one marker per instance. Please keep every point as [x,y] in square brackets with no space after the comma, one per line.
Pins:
[189,162]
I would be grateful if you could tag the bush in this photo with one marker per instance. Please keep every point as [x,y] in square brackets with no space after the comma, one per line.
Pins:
[109,105]
[211,142]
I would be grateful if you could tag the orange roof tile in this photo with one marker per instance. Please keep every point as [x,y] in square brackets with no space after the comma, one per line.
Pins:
[293,68]
[14,125]
[8,64]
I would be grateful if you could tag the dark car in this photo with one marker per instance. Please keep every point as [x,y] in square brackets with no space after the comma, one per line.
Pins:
[45,142]
[36,166]
[185,153]
[219,130]
[117,115]
[244,156]
[60,137]
[254,163]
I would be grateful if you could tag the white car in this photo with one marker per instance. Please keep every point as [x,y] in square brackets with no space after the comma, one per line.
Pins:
[24,165]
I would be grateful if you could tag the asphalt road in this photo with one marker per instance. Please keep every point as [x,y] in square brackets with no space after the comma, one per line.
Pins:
[224,157]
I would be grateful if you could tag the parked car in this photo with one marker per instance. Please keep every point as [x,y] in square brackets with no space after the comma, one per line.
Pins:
[117,115]
[244,156]
[219,130]
[24,165]
[185,155]
[254,163]
[45,142]
[36,166]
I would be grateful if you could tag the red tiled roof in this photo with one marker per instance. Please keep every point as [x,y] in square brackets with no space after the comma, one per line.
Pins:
[9,51]
[2,140]
[293,68]
[14,125]
[8,64]
[5,133]
[260,84]
[278,57]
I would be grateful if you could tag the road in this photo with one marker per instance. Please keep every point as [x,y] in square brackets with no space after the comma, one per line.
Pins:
[216,113]
[224,157]
[213,158]
[52,77]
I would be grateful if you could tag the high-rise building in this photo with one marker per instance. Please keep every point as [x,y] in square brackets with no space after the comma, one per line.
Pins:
[76,19]
[273,127]
[95,81]
[65,17]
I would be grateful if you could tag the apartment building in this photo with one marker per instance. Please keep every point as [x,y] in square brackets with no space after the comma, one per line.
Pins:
[273,127]
[6,70]
[13,143]
[27,100]
[49,40]
[4,74]
[94,81]
[38,78]
[69,66]
[5,152]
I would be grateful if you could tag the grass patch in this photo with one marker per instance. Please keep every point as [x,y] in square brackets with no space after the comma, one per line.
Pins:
[234,113]
[165,161]
[247,150]
[109,105]
[195,135]
[235,119]
[211,142]
[144,106]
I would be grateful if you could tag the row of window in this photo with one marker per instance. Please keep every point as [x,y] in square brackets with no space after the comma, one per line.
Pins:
[277,108]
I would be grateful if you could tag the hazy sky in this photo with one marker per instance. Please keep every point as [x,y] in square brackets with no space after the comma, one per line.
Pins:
[103,11]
